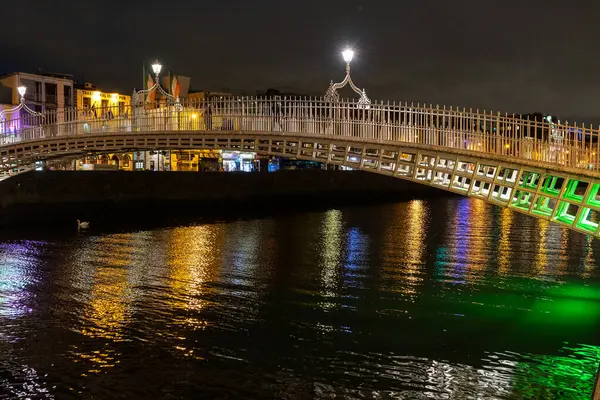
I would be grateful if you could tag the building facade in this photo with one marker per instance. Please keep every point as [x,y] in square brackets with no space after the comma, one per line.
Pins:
[45,92]
[97,103]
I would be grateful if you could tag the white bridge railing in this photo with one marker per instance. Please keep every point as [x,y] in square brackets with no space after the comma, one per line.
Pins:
[452,128]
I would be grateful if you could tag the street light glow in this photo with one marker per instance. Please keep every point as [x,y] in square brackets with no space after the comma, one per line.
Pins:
[156,67]
[348,54]
[22,90]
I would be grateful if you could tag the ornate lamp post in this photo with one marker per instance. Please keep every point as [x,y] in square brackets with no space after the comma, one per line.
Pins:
[332,95]
[22,90]
[138,95]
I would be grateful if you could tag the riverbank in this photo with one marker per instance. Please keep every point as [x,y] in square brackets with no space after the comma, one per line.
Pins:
[60,197]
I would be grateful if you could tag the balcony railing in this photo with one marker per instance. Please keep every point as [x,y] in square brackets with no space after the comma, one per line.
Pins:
[441,128]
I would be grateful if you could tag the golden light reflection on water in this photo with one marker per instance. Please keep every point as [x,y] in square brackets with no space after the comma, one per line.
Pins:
[403,251]
[414,242]
[331,249]
[541,257]
[479,229]
[109,307]
[193,255]
[190,275]
[504,245]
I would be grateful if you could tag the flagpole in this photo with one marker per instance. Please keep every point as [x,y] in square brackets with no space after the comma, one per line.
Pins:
[144,81]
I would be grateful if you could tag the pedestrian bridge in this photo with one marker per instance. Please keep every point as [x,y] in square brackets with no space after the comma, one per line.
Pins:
[546,170]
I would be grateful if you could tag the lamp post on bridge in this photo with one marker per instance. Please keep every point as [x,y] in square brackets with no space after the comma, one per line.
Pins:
[22,106]
[139,96]
[331,95]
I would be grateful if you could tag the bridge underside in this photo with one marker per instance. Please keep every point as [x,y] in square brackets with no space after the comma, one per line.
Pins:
[568,199]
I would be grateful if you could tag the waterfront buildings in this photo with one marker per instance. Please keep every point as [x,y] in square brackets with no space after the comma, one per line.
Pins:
[100,104]
[45,91]
[90,105]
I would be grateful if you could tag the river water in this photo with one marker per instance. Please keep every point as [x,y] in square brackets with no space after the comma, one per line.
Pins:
[445,298]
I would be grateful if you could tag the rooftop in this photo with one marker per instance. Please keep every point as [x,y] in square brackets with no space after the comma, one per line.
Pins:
[40,73]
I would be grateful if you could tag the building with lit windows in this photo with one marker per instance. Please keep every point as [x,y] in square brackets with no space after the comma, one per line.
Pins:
[105,162]
[195,160]
[174,160]
[45,91]
[101,104]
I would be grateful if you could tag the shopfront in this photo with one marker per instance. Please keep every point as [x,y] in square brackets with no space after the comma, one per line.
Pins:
[238,161]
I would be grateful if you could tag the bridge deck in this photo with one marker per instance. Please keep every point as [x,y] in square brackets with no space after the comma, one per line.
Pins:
[545,170]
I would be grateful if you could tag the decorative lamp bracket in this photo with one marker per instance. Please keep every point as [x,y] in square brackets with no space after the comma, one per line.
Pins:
[138,96]
[22,106]
[332,95]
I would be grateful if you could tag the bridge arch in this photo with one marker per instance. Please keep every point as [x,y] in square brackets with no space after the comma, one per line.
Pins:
[538,168]
[127,161]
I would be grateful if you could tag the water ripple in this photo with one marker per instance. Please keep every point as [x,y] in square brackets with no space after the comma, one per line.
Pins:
[428,299]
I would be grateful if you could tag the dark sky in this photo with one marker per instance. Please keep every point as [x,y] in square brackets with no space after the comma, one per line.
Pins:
[515,56]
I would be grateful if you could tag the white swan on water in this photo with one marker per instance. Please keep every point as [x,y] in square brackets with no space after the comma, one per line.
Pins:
[82,225]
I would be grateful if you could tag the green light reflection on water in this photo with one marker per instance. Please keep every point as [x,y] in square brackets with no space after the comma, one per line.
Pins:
[519,314]
[558,377]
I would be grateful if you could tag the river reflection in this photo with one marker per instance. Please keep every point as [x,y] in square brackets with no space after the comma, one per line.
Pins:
[426,299]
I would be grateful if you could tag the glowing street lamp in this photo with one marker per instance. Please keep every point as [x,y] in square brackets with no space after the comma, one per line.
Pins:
[21,90]
[332,95]
[348,54]
[156,67]
[138,95]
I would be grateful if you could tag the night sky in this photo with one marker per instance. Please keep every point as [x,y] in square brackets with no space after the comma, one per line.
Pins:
[514,56]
